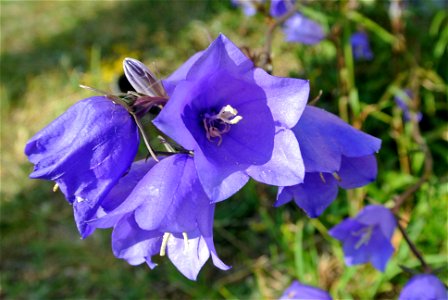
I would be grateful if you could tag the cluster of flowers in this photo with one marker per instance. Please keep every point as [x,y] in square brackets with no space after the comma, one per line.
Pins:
[231,122]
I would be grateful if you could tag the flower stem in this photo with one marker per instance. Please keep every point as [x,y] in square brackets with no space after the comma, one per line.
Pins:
[413,248]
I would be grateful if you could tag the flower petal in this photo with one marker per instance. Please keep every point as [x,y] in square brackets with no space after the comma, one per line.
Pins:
[357,171]
[286,165]
[299,29]
[378,215]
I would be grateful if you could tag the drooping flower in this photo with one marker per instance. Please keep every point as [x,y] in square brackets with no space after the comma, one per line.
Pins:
[361,46]
[403,99]
[280,7]
[237,119]
[335,155]
[161,209]
[85,151]
[298,290]
[249,7]
[367,237]
[299,29]
[424,287]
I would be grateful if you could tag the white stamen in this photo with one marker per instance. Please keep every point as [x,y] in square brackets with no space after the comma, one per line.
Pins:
[337,177]
[166,236]
[55,188]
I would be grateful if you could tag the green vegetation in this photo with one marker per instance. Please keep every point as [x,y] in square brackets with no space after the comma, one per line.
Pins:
[49,48]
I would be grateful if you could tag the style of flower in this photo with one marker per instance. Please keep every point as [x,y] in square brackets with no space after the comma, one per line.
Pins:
[298,290]
[281,7]
[335,155]
[299,29]
[403,99]
[236,119]
[424,287]
[161,209]
[85,151]
[367,237]
[360,46]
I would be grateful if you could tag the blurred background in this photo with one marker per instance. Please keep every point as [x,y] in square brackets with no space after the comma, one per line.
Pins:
[48,48]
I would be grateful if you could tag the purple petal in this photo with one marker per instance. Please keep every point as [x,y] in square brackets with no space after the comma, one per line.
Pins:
[299,29]
[424,287]
[172,197]
[86,151]
[132,244]
[357,171]
[287,97]
[188,257]
[324,138]
[222,54]
[280,7]
[360,46]
[344,229]
[313,195]
[298,290]
[286,165]
[180,74]
[378,215]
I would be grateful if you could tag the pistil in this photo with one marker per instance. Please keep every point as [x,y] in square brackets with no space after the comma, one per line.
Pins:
[217,125]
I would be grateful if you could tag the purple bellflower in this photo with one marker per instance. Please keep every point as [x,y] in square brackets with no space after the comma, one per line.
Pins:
[280,7]
[403,99]
[236,119]
[85,151]
[249,7]
[424,287]
[367,236]
[335,155]
[360,46]
[161,209]
[299,29]
[298,291]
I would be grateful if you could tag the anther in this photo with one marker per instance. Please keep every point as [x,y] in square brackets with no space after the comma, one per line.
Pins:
[322,177]
[337,177]
[55,188]
[165,239]
[184,234]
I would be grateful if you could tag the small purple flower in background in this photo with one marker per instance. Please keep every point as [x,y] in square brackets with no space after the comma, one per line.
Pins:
[367,236]
[424,287]
[299,29]
[249,7]
[298,290]
[161,209]
[237,119]
[85,151]
[360,46]
[281,7]
[403,99]
[335,155]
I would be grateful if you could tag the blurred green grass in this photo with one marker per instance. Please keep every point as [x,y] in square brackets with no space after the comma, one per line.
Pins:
[49,48]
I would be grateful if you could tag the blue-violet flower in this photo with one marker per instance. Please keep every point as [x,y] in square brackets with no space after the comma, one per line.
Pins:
[424,287]
[298,290]
[85,151]
[280,7]
[367,237]
[335,155]
[403,99]
[299,29]
[237,119]
[360,46]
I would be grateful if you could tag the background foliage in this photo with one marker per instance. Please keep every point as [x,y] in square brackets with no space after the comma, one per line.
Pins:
[49,48]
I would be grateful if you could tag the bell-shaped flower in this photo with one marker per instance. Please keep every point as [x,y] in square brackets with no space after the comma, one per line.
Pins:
[367,237]
[298,290]
[281,7]
[335,155]
[236,119]
[161,209]
[299,29]
[361,46]
[85,151]
[424,287]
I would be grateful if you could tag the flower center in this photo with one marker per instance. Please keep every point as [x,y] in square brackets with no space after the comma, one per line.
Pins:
[365,234]
[218,124]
